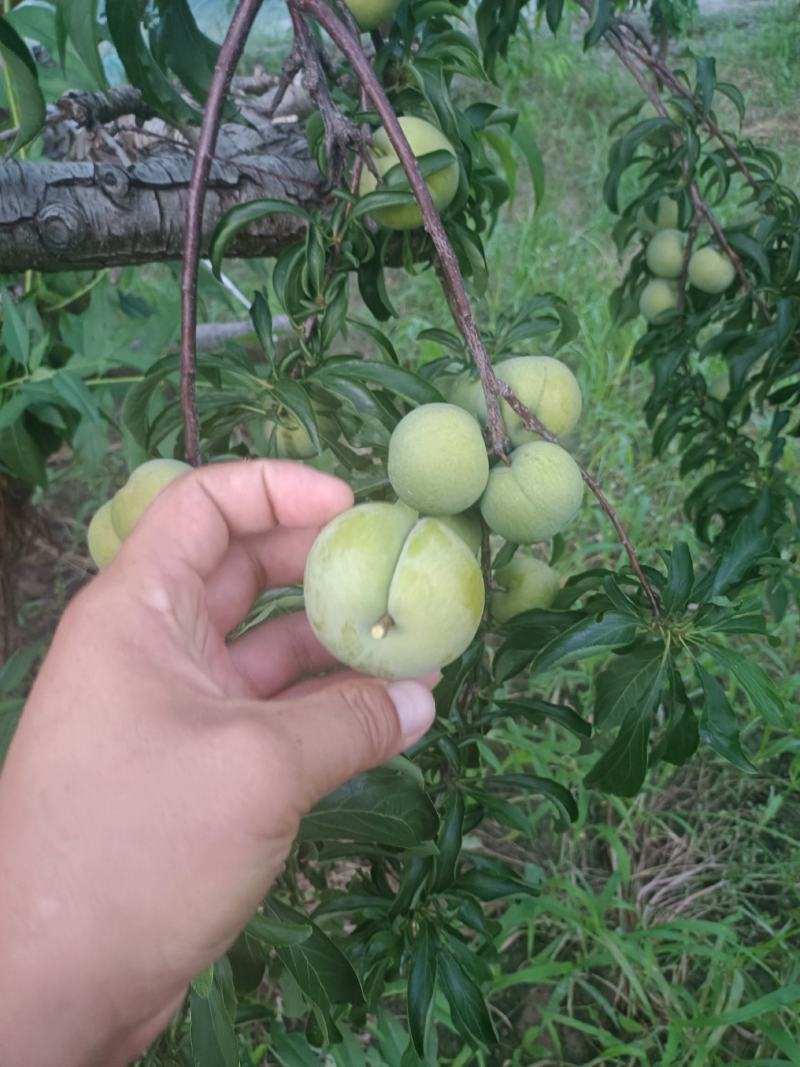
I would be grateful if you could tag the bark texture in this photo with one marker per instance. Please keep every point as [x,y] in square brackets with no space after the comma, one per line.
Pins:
[57,216]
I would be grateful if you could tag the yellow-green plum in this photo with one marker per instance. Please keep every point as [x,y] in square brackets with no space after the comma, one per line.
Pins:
[535,496]
[442,184]
[464,391]
[392,594]
[657,297]
[101,537]
[546,386]
[467,525]
[664,253]
[437,459]
[524,583]
[292,439]
[131,501]
[710,271]
[666,216]
[370,14]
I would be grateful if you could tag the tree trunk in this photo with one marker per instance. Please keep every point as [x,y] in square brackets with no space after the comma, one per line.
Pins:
[57,216]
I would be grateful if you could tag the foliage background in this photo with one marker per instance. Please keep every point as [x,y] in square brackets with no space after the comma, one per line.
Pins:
[667,927]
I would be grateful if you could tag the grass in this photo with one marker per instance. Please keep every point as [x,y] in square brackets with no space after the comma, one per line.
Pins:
[668,928]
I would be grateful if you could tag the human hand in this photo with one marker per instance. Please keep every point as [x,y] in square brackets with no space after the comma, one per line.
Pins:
[158,775]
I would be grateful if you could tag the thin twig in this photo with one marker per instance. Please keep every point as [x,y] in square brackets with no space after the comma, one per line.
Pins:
[229,55]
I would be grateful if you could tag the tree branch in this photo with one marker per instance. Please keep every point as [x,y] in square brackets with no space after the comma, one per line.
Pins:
[228,58]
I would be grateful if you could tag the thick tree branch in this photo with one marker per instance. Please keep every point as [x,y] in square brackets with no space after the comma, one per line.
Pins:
[80,216]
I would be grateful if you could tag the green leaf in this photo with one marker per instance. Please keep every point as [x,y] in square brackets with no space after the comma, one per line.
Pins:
[467,1007]
[292,395]
[680,579]
[585,638]
[395,380]
[211,1031]
[718,724]
[706,80]
[754,680]
[603,17]
[21,456]
[277,932]
[321,970]
[124,19]
[292,1050]
[524,138]
[261,315]
[449,842]
[235,220]
[485,885]
[748,544]
[531,783]
[27,103]
[421,985]
[80,23]
[536,710]
[187,51]
[622,768]
[379,807]
[625,682]
[15,335]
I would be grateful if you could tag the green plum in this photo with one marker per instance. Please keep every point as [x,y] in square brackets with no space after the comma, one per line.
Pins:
[101,537]
[145,483]
[664,253]
[657,297]
[370,14]
[524,583]
[710,271]
[546,386]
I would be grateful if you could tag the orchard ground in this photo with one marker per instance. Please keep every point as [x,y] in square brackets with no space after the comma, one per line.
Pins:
[682,903]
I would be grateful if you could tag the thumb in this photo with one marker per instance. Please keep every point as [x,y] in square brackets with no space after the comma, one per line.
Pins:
[351,726]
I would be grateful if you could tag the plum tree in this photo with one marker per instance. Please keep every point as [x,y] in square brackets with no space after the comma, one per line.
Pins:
[437,459]
[442,184]
[131,501]
[664,253]
[536,496]
[546,386]
[657,297]
[710,271]
[390,593]
[370,14]
[524,583]
[101,537]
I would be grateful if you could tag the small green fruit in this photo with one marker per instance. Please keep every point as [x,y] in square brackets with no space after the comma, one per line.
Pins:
[101,537]
[442,185]
[467,526]
[145,483]
[390,594]
[664,253]
[666,217]
[546,386]
[524,583]
[293,441]
[710,271]
[536,496]
[437,459]
[370,14]
[464,391]
[657,297]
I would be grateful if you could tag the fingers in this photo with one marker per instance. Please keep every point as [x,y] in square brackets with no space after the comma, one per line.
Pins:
[195,520]
[349,727]
[276,654]
[252,565]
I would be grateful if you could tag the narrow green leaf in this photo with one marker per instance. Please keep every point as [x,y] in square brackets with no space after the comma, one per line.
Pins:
[211,1031]
[467,1007]
[680,579]
[585,638]
[754,680]
[536,710]
[524,138]
[624,683]
[235,220]
[261,316]
[27,103]
[275,933]
[603,17]
[718,724]
[80,23]
[421,985]
[21,456]
[449,840]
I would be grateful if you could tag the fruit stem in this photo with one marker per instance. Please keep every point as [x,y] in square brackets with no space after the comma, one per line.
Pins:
[382,627]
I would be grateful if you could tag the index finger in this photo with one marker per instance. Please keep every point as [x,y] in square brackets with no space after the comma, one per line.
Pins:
[194,521]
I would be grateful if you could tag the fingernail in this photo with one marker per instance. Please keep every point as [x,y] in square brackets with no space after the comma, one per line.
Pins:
[415,708]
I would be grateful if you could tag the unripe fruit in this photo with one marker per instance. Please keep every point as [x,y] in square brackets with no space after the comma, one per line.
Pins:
[442,185]
[664,253]
[145,483]
[465,392]
[101,537]
[467,525]
[390,594]
[657,297]
[524,583]
[710,271]
[369,14]
[437,459]
[536,496]
[546,386]
[293,441]
[666,216]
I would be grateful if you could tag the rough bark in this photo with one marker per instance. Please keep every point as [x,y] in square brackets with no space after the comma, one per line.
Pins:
[58,216]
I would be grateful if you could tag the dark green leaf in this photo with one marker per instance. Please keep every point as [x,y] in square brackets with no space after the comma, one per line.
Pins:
[680,579]
[274,933]
[449,841]
[747,545]
[80,23]
[186,50]
[421,985]
[485,885]
[321,970]
[23,84]
[718,725]
[537,710]
[293,396]
[261,315]
[531,783]
[524,138]
[754,680]
[235,220]
[706,80]
[603,17]
[211,1031]
[467,1007]
[379,807]
[625,683]
[585,638]
[21,456]
[395,380]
